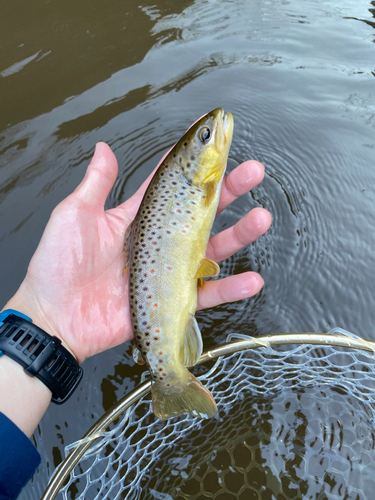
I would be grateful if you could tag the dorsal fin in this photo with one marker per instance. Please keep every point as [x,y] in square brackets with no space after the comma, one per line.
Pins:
[137,356]
[128,245]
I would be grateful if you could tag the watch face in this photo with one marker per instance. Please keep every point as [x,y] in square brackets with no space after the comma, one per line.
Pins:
[40,354]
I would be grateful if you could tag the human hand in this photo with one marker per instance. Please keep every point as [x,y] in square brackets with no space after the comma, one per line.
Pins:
[74,287]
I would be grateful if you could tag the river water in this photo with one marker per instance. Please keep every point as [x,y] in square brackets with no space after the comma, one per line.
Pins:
[298,77]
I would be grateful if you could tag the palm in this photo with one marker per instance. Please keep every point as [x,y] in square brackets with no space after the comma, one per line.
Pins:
[75,285]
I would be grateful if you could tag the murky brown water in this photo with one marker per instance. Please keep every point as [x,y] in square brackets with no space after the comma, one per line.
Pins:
[298,77]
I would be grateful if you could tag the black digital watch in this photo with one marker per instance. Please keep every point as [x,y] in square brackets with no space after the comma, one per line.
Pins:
[41,354]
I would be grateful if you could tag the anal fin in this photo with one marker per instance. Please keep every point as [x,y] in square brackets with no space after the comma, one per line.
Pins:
[193,344]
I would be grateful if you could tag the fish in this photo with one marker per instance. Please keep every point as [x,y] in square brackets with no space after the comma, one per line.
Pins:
[165,254]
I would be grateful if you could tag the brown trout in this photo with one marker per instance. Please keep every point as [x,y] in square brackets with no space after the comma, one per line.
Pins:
[165,248]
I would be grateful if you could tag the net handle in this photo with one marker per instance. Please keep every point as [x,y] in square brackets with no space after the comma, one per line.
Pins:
[328,339]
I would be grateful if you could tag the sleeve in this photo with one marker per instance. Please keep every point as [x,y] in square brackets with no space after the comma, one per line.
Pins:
[18,459]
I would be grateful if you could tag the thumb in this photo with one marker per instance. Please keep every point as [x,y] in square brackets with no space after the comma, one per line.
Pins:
[99,178]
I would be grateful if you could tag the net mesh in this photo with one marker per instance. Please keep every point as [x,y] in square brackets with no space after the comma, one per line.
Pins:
[294,422]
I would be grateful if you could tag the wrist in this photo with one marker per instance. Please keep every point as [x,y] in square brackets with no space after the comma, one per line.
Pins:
[23,399]
[24,302]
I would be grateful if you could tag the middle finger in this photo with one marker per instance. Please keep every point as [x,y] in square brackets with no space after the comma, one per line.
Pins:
[248,229]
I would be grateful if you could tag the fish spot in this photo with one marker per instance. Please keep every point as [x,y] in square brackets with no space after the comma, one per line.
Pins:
[167,385]
[140,346]
[144,323]
[139,337]
[192,218]
[188,165]
[160,378]
[149,296]
[145,289]
[179,211]
[155,305]
[169,268]
[178,203]
[153,261]
[160,369]
[158,249]
[164,374]
[187,225]
[160,360]
[185,143]
[160,353]
[147,343]
[147,334]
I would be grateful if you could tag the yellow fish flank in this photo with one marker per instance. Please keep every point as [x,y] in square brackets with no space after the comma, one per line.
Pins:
[165,250]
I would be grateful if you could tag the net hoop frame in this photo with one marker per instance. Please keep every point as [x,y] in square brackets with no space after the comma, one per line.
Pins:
[336,337]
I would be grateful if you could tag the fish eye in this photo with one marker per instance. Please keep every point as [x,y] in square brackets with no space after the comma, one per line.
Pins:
[204,135]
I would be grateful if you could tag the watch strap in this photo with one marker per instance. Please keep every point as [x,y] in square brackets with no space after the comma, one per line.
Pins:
[41,354]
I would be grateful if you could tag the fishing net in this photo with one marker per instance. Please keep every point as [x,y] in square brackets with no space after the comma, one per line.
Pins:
[295,420]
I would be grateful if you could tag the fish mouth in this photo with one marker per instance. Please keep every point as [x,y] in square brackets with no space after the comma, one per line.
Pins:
[224,129]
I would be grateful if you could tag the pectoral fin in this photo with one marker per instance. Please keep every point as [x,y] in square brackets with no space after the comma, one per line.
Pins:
[210,192]
[137,356]
[207,269]
[193,344]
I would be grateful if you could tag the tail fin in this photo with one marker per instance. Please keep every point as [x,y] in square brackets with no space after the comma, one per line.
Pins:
[187,395]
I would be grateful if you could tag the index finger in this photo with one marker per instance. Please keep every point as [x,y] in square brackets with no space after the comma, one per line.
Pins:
[241,180]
